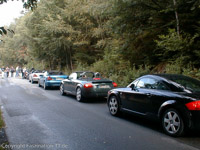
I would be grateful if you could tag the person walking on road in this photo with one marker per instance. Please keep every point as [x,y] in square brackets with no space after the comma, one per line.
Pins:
[3,72]
[17,71]
[7,72]
[23,73]
[12,70]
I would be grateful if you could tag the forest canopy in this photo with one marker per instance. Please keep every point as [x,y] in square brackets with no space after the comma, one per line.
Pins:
[122,39]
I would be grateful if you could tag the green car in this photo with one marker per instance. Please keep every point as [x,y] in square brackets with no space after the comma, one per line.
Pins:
[86,84]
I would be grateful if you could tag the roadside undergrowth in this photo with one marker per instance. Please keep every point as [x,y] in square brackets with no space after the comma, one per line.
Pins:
[3,137]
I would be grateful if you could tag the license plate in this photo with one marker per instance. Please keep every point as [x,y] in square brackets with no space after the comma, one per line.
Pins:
[59,78]
[104,86]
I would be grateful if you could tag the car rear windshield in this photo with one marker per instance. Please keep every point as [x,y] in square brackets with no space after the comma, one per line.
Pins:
[86,75]
[37,71]
[187,82]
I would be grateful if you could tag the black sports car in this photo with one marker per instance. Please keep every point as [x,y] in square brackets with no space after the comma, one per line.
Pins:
[172,99]
[86,85]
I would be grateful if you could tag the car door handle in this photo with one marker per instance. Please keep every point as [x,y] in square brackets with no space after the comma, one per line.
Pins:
[149,94]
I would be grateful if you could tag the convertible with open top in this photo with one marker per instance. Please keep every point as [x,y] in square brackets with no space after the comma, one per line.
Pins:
[51,79]
[86,85]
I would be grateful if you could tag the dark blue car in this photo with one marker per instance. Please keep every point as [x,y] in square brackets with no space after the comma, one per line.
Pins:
[51,79]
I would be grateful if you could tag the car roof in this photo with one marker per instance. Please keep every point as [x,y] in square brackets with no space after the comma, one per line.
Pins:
[168,76]
[173,76]
[54,71]
[83,71]
[164,76]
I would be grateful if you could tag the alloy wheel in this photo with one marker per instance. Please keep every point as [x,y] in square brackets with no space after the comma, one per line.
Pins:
[172,123]
[44,85]
[62,89]
[39,84]
[79,96]
[113,106]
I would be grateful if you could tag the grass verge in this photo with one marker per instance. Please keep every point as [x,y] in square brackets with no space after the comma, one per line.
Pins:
[3,137]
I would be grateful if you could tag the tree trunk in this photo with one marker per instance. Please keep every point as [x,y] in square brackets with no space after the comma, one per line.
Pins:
[70,59]
[177,19]
[50,64]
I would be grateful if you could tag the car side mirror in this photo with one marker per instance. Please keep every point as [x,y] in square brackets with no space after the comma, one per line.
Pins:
[132,86]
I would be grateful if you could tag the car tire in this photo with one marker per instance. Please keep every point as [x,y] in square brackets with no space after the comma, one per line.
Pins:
[62,89]
[172,123]
[44,86]
[39,84]
[79,96]
[113,105]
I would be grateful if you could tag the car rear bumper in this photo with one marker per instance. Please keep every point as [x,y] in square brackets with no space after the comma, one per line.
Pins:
[195,118]
[53,83]
[94,94]
[35,79]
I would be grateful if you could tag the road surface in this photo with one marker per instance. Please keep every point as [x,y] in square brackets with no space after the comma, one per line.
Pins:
[43,119]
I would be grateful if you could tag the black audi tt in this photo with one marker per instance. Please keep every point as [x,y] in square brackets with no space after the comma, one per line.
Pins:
[172,99]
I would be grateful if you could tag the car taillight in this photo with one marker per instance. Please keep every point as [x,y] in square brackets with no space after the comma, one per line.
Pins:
[114,84]
[88,85]
[193,105]
[34,75]
[49,78]
[96,78]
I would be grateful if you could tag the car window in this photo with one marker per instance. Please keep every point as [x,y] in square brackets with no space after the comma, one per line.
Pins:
[149,83]
[189,84]
[134,82]
[73,76]
[37,71]
[180,83]
[46,73]
[87,75]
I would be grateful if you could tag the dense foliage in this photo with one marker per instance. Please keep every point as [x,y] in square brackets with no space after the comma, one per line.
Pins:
[27,3]
[122,39]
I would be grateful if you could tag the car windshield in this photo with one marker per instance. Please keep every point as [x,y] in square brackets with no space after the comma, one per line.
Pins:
[55,73]
[187,82]
[86,74]
[37,71]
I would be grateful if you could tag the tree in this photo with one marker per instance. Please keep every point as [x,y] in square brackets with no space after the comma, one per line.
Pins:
[27,4]
[63,34]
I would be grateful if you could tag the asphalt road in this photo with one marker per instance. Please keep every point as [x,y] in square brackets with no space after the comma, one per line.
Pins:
[43,119]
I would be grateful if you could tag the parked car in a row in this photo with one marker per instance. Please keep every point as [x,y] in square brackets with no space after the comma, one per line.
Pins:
[174,100]
[86,85]
[51,79]
[35,75]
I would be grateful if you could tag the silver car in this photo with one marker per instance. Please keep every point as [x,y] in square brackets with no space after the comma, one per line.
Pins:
[34,77]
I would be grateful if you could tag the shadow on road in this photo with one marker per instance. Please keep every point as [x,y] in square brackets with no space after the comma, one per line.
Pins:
[142,121]
[191,137]
[154,124]
[89,100]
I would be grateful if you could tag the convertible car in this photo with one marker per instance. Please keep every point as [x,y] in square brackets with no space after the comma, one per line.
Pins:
[35,75]
[86,85]
[51,79]
[174,100]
